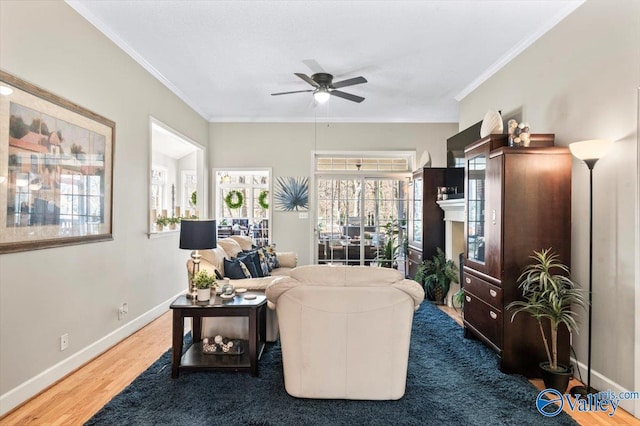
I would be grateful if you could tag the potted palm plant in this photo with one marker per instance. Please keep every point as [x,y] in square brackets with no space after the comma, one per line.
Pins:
[548,296]
[436,275]
[203,282]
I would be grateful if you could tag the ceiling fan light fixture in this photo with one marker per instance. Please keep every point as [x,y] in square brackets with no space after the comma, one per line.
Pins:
[321,95]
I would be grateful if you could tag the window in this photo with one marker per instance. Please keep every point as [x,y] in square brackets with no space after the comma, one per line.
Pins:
[189,188]
[243,203]
[361,207]
[176,185]
[158,183]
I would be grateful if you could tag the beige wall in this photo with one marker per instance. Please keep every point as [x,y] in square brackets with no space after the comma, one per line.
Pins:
[287,148]
[77,289]
[579,81]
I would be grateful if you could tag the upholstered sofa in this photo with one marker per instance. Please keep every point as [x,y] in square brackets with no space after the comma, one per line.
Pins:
[214,259]
[345,330]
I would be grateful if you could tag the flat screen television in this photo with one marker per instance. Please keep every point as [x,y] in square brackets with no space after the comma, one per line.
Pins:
[457,143]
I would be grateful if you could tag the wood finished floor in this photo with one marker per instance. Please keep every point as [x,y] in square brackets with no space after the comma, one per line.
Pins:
[77,397]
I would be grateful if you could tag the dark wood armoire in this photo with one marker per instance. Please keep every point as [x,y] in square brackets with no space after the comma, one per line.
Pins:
[517,200]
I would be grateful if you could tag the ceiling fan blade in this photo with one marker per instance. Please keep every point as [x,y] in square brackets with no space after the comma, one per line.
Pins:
[349,82]
[347,96]
[313,65]
[295,91]
[307,79]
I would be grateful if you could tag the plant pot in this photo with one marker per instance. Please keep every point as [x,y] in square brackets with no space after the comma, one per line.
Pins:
[556,379]
[435,296]
[159,228]
[172,226]
[204,294]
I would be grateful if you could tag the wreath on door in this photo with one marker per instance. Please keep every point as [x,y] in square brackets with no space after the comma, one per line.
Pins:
[234,199]
[262,199]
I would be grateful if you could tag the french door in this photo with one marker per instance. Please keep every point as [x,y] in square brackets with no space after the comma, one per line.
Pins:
[360,220]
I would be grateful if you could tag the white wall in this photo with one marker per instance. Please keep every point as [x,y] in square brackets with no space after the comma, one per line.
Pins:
[287,148]
[79,287]
[579,81]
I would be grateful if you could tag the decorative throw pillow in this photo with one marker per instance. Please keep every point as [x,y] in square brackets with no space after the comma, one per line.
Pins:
[235,269]
[263,262]
[264,258]
[257,259]
[273,258]
[247,259]
[262,271]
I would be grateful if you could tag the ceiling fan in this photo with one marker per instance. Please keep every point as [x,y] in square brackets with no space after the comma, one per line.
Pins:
[323,87]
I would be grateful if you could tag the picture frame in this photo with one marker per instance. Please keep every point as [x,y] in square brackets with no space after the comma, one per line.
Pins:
[56,170]
[291,193]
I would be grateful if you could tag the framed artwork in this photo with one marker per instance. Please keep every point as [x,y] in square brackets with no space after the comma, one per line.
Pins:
[291,194]
[56,170]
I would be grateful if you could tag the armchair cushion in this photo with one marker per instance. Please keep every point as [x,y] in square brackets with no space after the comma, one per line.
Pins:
[245,243]
[230,246]
[287,259]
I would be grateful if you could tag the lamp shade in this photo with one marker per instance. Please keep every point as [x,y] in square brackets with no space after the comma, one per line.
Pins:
[590,150]
[198,234]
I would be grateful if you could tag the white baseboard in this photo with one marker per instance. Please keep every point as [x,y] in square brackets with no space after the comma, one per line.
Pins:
[35,385]
[603,383]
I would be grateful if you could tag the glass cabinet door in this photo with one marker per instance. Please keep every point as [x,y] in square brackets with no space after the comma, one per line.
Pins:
[415,229]
[476,199]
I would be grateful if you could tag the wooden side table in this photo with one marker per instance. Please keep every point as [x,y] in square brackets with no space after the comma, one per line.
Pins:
[255,310]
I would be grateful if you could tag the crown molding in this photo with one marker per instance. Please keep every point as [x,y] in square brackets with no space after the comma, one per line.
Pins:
[79,7]
[519,48]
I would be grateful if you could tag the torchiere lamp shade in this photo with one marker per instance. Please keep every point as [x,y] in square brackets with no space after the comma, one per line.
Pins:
[590,150]
[198,234]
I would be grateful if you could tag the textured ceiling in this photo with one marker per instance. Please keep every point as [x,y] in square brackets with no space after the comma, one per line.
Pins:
[225,58]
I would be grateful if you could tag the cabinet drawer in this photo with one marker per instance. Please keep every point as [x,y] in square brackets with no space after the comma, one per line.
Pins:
[415,255]
[484,318]
[484,291]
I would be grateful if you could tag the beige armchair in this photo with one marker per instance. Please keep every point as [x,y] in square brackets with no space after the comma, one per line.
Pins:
[345,330]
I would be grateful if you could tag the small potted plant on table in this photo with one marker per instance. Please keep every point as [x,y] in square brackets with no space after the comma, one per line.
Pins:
[203,282]
[436,275]
[548,297]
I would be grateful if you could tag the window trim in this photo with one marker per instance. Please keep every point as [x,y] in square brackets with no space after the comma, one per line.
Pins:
[215,187]
[201,173]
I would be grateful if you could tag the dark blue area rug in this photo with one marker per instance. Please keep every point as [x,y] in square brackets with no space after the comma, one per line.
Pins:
[451,381]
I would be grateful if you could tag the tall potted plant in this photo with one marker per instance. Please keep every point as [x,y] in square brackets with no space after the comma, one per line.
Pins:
[388,255]
[548,296]
[436,275]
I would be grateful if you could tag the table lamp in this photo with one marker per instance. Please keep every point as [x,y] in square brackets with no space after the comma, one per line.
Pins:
[197,235]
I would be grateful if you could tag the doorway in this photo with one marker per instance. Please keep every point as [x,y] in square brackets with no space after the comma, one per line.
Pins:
[361,220]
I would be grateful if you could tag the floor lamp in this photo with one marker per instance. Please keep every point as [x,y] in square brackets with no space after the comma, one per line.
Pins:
[197,235]
[589,152]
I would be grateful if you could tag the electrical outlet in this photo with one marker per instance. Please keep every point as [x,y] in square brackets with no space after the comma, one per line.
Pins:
[64,341]
[123,310]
